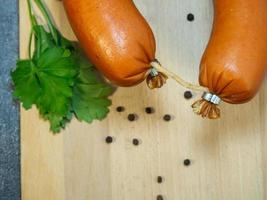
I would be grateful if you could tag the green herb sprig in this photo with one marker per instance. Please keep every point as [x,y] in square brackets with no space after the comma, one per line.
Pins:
[57,77]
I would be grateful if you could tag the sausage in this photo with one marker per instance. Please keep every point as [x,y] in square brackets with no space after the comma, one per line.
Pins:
[235,60]
[115,37]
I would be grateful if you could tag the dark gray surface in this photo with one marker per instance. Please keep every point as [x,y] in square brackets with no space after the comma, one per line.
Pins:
[9,110]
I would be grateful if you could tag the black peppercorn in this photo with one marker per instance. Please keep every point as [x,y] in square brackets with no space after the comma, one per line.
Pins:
[132,117]
[187,162]
[149,110]
[188,95]
[167,117]
[120,109]
[135,142]
[159,179]
[109,139]
[190,17]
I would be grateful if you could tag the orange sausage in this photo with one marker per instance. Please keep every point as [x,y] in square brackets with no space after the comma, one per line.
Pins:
[115,36]
[235,60]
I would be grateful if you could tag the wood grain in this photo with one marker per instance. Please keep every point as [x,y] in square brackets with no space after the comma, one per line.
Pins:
[227,155]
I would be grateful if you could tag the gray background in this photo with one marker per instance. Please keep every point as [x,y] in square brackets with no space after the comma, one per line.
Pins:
[9,109]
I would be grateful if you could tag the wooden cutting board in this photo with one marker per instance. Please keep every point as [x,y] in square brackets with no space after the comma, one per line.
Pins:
[228,156]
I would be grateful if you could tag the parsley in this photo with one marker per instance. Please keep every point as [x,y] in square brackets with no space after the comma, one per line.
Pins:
[89,94]
[58,79]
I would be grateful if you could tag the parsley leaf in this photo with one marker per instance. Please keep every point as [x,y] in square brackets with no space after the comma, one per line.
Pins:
[48,84]
[58,122]
[56,72]
[90,94]
[27,88]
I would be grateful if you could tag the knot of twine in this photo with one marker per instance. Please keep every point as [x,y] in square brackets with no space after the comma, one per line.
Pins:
[205,107]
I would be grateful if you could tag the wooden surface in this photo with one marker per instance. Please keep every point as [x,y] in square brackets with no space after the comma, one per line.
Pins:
[228,155]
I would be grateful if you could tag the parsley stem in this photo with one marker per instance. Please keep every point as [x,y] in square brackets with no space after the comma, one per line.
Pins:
[30,45]
[32,18]
[33,23]
[48,19]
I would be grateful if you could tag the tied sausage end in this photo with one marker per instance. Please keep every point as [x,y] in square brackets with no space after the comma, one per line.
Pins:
[155,79]
[207,107]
